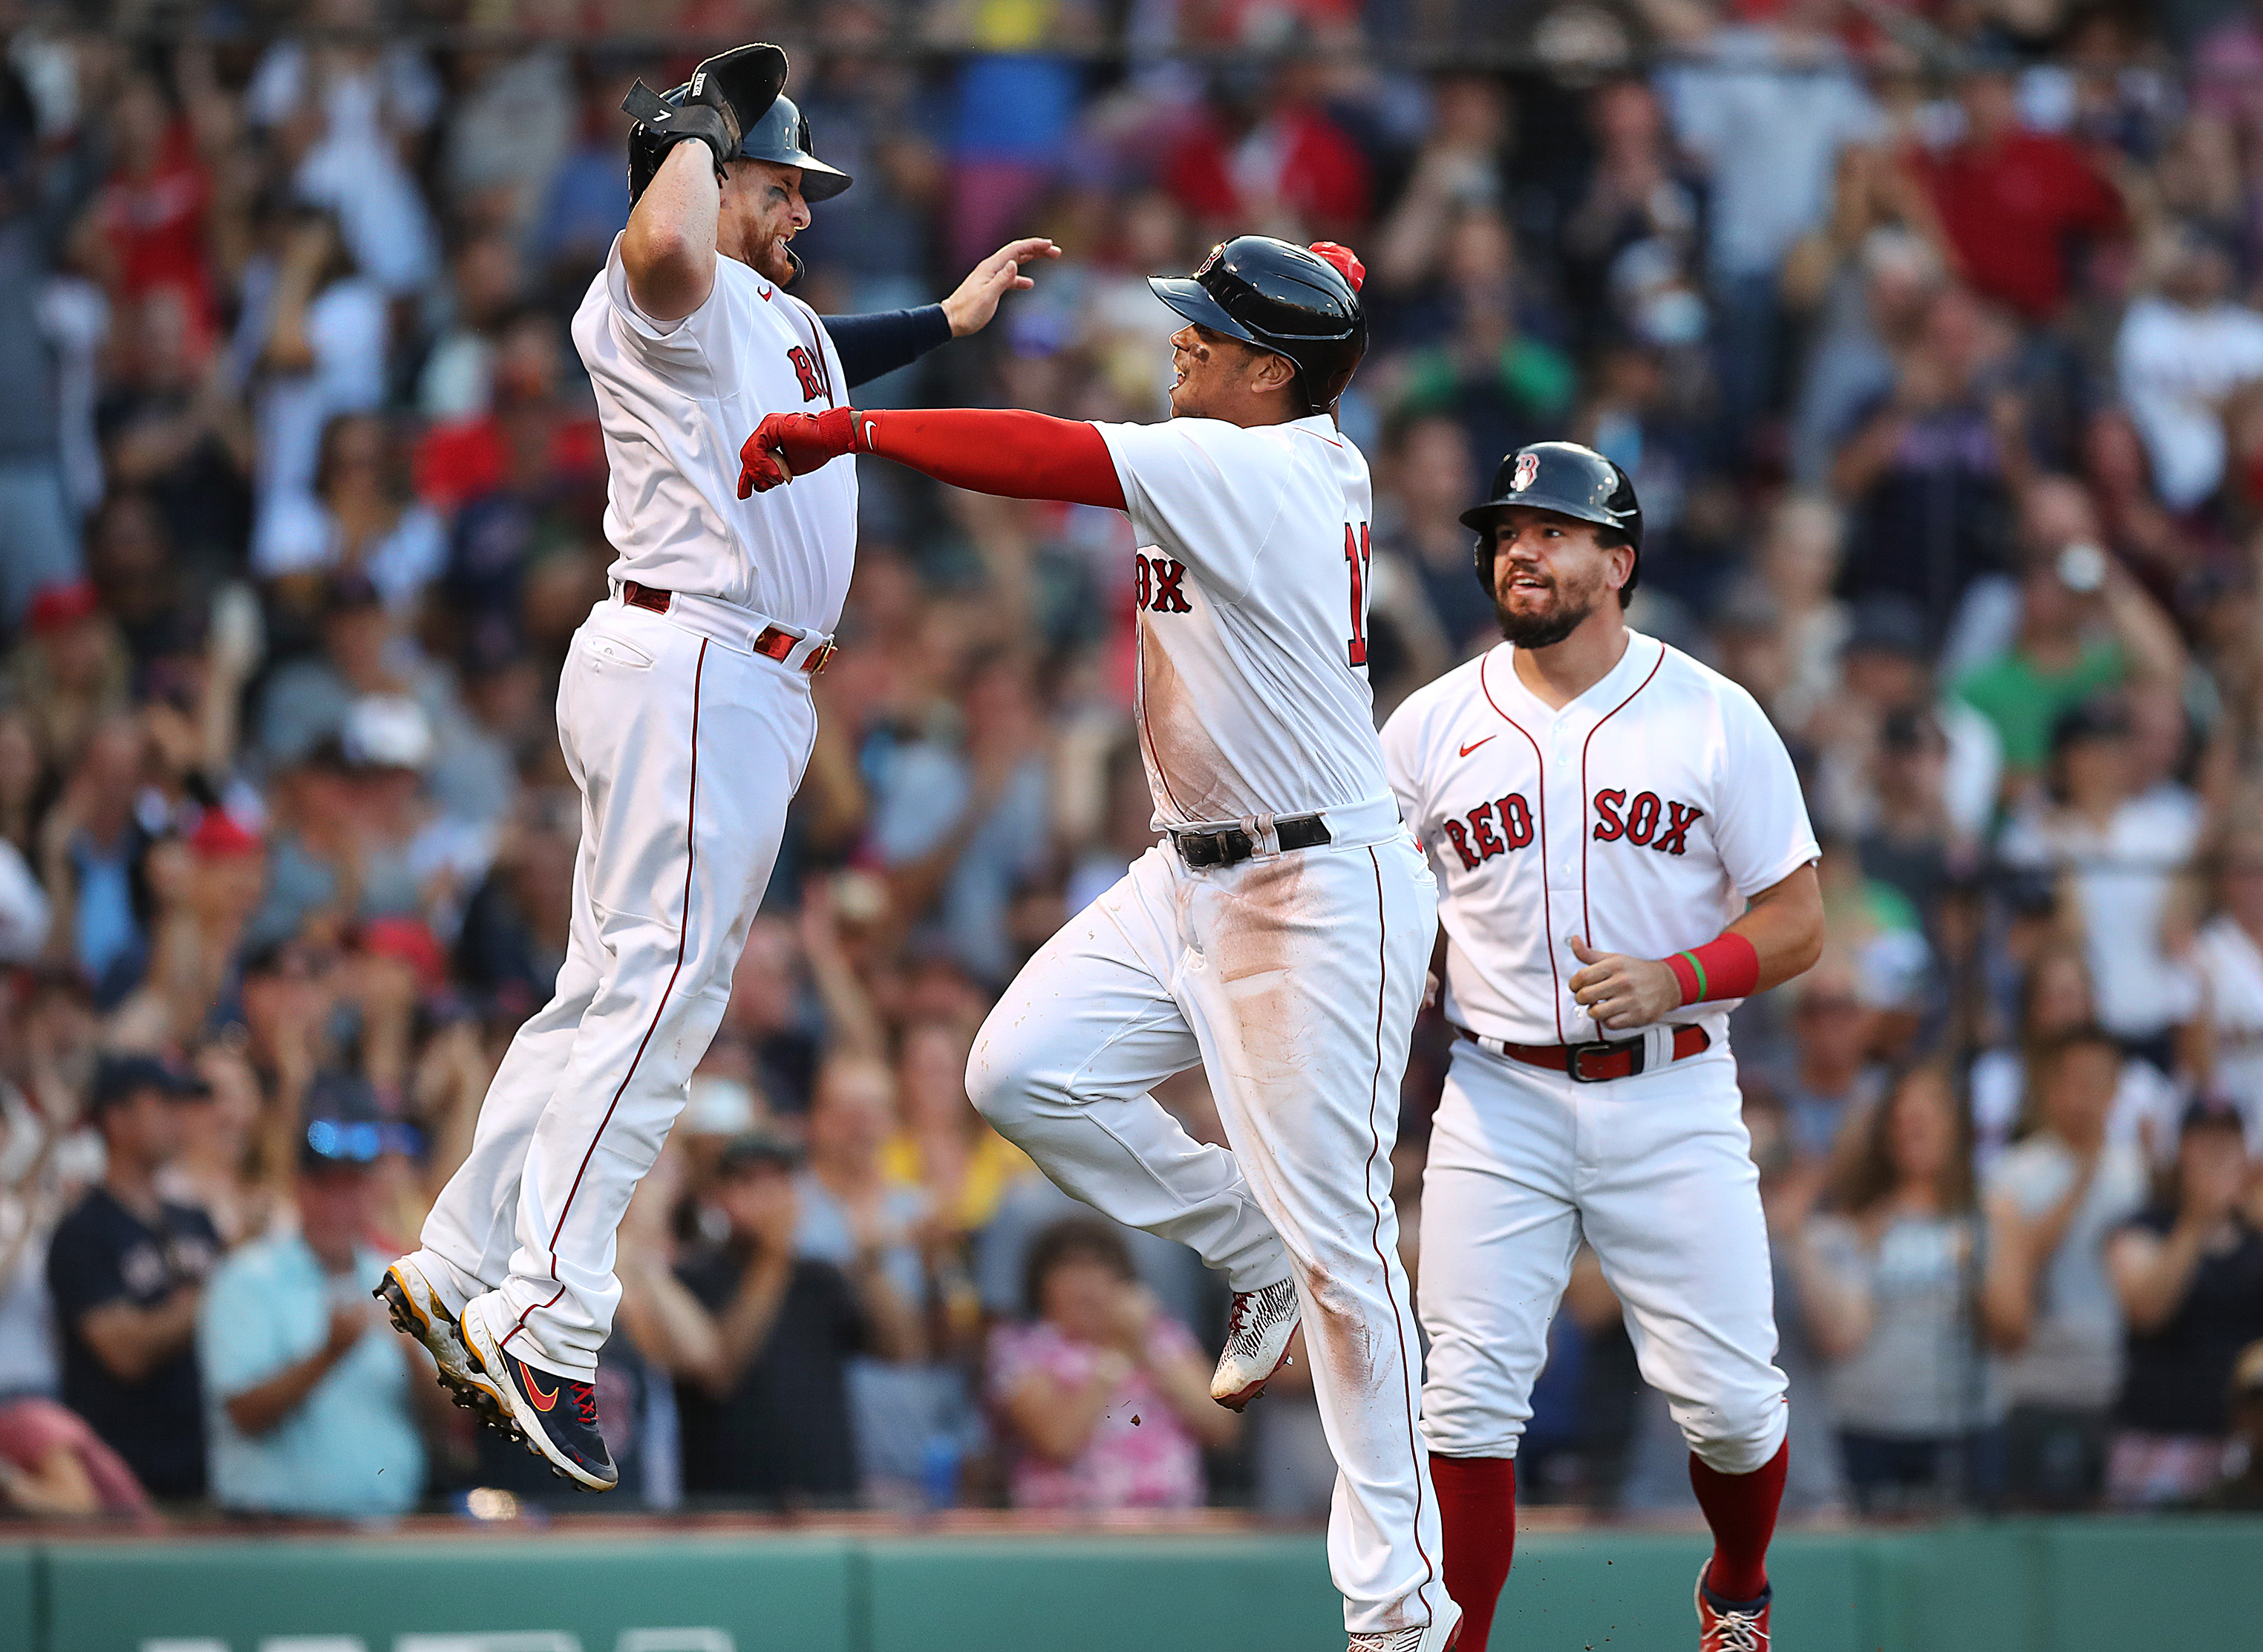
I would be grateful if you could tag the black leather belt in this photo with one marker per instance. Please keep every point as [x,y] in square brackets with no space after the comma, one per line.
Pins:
[1233,845]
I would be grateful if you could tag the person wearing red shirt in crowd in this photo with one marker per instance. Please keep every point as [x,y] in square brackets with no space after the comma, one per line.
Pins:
[1268,157]
[152,210]
[2010,200]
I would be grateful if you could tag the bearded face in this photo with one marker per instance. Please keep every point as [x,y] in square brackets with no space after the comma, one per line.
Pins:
[1549,574]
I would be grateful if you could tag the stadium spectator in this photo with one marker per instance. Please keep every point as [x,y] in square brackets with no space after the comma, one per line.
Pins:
[2121,856]
[2046,1301]
[2225,1041]
[127,1270]
[1105,1399]
[1887,1278]
[309,1395]
[2055,997]
[2241,1490]
[53,1466]
[768,1417]
[2010,199]
[1766,106]
[2084,626]
[1832,1077]
[2189,1273]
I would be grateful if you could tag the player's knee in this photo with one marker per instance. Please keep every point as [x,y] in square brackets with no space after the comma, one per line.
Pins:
[1739,1439]
[1003,1073]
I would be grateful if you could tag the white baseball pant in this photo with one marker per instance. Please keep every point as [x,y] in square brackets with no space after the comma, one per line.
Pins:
[1294,980]
[1656,1170]
[687,750]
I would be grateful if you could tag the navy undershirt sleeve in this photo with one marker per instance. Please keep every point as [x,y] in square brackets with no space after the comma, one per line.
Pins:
[878,344]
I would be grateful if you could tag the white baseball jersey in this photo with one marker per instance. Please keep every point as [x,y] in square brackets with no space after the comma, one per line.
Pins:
[676,402]
[1252,594]
[1639,818]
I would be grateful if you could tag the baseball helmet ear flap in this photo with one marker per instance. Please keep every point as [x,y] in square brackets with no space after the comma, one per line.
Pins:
[1569,479]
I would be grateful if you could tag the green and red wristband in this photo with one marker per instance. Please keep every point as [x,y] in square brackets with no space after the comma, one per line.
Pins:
[1726,966]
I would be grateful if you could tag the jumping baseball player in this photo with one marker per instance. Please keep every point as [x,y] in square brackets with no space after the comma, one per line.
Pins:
[1622,853]
[1279,936]
[685,717]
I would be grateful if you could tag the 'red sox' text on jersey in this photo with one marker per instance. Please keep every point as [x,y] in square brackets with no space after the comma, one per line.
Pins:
[1639,816]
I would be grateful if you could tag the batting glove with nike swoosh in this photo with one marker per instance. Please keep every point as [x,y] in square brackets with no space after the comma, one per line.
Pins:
[789,445]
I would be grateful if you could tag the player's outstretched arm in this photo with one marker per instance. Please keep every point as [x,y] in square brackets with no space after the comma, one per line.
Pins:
[1780,936]
[1014,454]
[878,344]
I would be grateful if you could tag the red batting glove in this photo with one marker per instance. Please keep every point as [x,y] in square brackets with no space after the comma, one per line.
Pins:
[789,445]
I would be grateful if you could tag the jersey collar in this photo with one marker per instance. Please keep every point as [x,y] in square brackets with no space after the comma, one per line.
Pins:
[1605,691]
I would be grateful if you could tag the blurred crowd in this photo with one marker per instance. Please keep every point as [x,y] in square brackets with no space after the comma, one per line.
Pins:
[1929,331]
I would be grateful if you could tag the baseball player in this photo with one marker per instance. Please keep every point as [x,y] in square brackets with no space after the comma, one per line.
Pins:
[1279,936]
[685,717]
[1622,853]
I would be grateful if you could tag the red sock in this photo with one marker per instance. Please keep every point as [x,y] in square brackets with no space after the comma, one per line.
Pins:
[1741,1509]
[1477,1511]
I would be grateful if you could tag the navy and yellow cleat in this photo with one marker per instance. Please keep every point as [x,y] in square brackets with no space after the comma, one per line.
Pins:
[556,1416]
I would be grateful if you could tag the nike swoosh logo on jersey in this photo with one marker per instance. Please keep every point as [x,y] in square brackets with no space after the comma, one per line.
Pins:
[542,1401]
[1473,745]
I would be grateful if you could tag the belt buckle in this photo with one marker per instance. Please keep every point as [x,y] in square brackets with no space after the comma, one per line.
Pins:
[1574,1053]
[819,657]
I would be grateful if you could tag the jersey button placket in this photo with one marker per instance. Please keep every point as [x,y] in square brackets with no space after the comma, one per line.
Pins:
[1567,820]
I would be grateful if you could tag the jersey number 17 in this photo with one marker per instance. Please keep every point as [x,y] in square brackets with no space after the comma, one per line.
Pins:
[1358,554]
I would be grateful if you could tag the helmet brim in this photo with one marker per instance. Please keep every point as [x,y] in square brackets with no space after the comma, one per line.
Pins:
[1191,298]
[819,181]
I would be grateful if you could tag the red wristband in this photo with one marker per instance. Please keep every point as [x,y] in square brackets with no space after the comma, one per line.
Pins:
[1726,966]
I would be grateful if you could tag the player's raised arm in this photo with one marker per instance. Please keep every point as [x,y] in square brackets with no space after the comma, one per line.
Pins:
[685,150]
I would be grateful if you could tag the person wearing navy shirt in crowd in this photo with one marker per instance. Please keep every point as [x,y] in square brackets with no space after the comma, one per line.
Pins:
[127,1270]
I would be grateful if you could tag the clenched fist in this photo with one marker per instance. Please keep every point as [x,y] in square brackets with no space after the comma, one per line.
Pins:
[788,445]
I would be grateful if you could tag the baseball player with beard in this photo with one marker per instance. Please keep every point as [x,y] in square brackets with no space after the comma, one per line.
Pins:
[685,718]
[1278,935]
[1622,854]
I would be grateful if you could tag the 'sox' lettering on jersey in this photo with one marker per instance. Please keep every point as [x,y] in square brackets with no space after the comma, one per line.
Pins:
[1161,585]
[1640,822]
[805,371]
[1492,829]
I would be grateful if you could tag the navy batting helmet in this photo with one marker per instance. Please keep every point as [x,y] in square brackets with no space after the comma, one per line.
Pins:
[1283,298]
[1569,479]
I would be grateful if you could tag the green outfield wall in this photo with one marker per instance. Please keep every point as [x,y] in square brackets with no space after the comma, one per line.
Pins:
[2077,1586]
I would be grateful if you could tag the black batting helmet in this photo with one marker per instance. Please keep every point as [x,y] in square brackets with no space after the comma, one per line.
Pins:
[1279,297]
[1569,479]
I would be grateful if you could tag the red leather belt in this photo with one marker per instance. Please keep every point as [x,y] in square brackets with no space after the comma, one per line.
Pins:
[775,642]
[1594,1063]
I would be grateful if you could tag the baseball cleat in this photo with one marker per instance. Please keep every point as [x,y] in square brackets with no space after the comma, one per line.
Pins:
[417,1311]
[1730,1625]
[1257,1331]
[1437,1635]
[556,1416]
